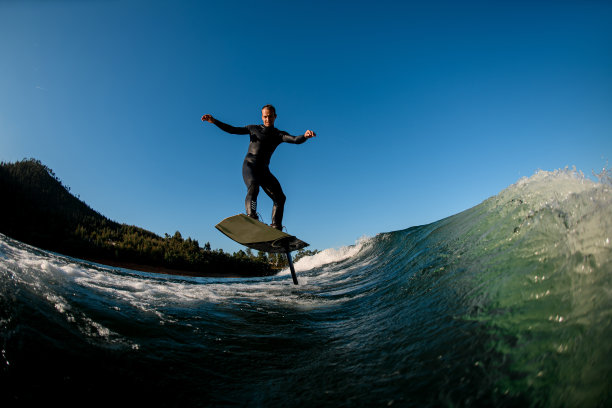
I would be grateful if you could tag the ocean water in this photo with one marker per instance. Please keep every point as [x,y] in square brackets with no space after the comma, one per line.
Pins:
[506,304]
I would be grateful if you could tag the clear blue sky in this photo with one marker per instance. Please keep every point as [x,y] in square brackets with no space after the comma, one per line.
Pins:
[422,109]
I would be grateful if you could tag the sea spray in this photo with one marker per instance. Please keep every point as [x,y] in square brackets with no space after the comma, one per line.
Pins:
[330,255]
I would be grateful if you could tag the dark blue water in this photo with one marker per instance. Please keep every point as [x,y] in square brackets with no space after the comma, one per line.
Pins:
[506,304]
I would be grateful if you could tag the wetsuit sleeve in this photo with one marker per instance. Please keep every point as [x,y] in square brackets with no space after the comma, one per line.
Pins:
[231,129]
[287,138]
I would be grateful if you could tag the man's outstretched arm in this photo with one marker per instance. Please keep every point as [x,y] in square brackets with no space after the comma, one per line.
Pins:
[287,138]
[224,126]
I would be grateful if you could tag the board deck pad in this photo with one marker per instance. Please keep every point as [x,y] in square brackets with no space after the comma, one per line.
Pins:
[259,236]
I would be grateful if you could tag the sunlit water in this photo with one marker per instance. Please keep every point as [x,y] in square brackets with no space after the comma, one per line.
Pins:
[506,304]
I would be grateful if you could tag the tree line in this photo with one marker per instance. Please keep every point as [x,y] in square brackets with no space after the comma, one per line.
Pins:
[36,208]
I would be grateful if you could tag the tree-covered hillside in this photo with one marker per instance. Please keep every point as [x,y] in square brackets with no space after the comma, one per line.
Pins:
[36,208]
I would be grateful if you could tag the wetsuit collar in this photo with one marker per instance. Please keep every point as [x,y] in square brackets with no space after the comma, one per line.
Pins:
[269,129]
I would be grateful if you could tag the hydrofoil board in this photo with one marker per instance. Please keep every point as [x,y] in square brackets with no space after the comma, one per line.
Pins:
[261,237]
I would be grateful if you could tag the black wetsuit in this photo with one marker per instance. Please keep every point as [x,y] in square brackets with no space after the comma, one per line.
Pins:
[255,171]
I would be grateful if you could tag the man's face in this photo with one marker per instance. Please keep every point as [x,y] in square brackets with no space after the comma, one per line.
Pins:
[268,117]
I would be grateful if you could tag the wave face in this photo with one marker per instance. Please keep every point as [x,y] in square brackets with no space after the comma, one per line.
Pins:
[507,304]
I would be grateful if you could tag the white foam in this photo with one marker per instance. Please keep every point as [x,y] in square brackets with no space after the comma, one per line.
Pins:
[330,255]
[55,277]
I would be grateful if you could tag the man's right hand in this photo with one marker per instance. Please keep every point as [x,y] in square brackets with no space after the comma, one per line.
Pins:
[207,118]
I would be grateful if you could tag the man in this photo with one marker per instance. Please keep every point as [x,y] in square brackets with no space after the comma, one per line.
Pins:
[255,171]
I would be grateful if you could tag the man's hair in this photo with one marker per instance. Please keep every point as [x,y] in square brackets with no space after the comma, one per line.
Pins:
[271,108]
